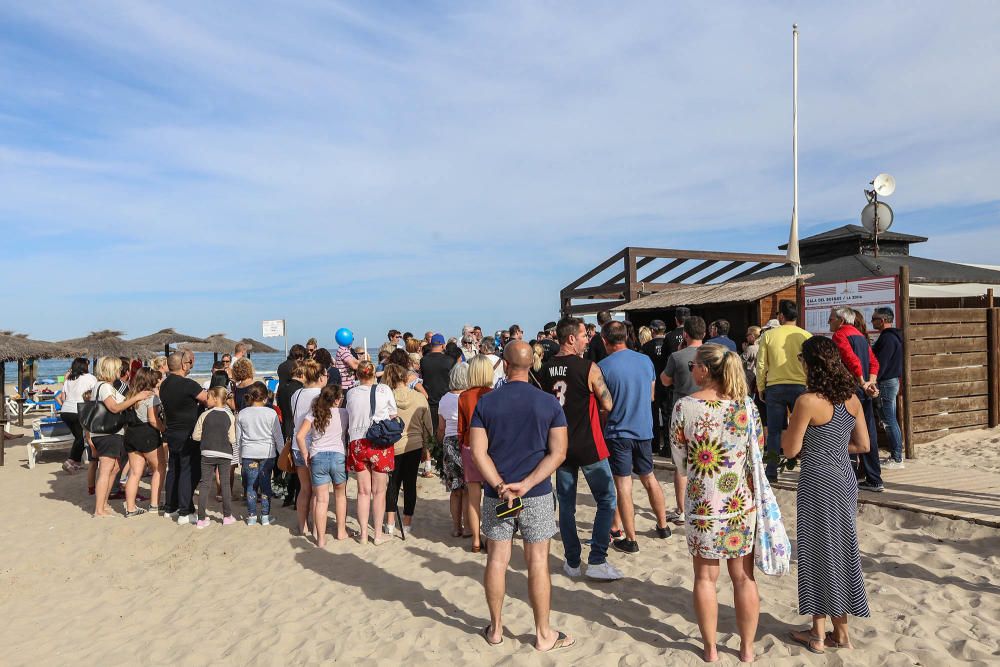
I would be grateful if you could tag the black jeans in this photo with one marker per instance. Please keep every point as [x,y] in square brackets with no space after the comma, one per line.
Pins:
[183,471]
[208,468]
[72,420]
[405,475]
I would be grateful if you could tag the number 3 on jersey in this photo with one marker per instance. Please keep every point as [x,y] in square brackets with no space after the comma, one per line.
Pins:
[559,389]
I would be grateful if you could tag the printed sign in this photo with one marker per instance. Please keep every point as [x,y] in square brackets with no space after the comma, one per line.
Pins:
[864,295]
[273,328]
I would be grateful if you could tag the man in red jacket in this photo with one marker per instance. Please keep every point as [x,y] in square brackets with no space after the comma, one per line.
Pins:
[857,355]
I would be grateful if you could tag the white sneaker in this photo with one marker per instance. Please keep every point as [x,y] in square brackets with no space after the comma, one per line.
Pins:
[187,518]
[891,464]
[571,571]
[605,572]
[388,530]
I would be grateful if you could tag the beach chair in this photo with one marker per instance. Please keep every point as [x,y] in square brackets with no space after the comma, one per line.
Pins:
[49,404]
[48,435]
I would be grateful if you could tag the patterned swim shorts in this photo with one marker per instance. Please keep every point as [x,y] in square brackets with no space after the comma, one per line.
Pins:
[536,522]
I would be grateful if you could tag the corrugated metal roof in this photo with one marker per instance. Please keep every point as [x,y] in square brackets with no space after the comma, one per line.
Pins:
[729,292]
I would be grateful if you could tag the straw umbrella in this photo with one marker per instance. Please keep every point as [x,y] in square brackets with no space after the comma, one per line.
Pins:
[216,344]
[19,348]
[165,338]
[105,343]
[257,346]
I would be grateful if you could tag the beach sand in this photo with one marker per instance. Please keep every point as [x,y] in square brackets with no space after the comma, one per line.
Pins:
[116,591]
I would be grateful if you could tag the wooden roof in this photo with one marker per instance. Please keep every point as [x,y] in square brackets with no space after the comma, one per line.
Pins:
[696,295]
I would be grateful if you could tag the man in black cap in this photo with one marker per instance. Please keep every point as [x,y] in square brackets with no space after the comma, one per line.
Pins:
[657,351]
[549,342]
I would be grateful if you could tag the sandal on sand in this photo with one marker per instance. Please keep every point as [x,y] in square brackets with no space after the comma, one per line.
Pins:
[833,643]
[456,533]
[562,641]
[485,632]
[805,639]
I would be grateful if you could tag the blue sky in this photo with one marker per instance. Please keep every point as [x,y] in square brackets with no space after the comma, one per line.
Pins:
[421,165]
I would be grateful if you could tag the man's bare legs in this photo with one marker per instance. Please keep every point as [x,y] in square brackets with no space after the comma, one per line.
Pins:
[495,583]
[540,591]
[626,509]
[656,499]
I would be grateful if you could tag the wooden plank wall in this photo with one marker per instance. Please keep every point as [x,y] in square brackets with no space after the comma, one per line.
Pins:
[952,387]
[769,304]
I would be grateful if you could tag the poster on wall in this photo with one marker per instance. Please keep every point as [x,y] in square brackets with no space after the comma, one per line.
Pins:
[864,295]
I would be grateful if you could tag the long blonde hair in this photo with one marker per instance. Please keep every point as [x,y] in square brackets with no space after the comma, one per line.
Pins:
[725,368]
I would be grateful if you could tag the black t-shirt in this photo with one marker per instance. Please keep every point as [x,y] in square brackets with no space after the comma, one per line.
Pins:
[551,348]
[284,398]
[567,377]
[656,350]
[285,370]
[674,341]
[181,408]
[434,369]
[596,350]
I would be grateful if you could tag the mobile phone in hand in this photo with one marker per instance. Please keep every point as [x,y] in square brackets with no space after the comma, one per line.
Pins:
[503,510]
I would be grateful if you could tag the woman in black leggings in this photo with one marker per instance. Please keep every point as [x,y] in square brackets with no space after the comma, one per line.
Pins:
[78,382]
[413,409]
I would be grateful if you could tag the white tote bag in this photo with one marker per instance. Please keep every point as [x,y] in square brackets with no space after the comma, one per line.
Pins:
[772,548]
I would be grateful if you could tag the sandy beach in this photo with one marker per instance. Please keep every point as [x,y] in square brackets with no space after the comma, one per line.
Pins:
[114,591]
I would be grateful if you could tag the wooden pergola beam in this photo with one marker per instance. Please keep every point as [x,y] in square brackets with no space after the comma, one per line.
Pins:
[753,269]
[621,275]
[618,256]
[670,266]
[697,269]
[726,268]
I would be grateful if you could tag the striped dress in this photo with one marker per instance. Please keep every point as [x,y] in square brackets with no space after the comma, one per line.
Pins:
[829,561]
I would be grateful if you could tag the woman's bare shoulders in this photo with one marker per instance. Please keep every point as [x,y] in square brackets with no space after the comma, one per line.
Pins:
[853,406]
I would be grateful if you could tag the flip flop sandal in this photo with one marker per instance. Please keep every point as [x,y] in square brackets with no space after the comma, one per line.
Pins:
[562,641]
[485,632]
[833,643]
[804,639]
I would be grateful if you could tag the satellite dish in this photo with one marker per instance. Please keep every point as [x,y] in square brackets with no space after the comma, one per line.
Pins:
[884,185]
[884,217]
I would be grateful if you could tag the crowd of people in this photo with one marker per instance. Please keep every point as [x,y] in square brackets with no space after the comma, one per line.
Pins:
[495,418]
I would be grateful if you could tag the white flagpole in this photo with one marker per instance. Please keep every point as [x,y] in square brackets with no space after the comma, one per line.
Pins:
[793,236]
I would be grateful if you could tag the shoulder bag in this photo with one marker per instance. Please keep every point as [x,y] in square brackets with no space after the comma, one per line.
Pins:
[386,432]
[772,552]
[96,418]
[286,462]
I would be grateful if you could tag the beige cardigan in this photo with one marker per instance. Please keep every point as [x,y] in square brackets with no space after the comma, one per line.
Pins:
[412,408]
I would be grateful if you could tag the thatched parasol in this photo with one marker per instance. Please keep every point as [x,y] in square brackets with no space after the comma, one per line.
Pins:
[19,348]
[216,344]
[164,338]
[258,347]
[105,343]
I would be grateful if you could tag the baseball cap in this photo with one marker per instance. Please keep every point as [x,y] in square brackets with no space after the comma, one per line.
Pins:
[437,339]
[771,324]
[549,327]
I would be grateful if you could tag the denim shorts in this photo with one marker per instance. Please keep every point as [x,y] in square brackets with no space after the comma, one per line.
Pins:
[328,468]
[630,456]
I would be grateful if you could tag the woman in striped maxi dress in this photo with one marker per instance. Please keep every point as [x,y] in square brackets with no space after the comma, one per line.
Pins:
[826,426]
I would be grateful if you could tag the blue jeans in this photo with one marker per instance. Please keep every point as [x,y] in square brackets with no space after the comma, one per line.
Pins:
[869,460]
[602,487]
[886,409]
[257,483]
[780,398]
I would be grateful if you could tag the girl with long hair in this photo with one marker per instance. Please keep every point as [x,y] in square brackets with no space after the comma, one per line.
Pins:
[143,437]
[326,427]
[371,463]
[827,425]
[313,380]
[413,409]
[711,434]
[110,447]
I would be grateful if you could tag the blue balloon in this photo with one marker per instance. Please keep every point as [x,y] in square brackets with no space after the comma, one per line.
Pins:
[344,336]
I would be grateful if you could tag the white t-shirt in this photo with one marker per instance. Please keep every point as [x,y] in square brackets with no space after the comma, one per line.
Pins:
[104,390]
[497,364]
[359,411]
[333,438]
[302,401]
[448,410]
[73,391]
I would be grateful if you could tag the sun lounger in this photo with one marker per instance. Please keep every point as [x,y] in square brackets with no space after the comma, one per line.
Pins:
[41,442]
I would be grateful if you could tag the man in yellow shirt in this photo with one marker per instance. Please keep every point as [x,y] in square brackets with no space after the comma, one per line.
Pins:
[781,379]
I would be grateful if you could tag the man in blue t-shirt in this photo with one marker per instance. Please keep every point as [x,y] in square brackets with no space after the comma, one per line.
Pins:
[630,377]
[519,438]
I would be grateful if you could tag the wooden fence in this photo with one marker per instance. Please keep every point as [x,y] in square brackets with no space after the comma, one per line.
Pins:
[952,372]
